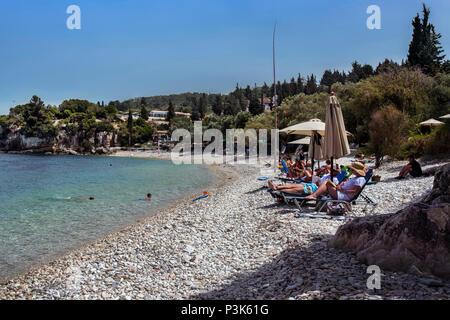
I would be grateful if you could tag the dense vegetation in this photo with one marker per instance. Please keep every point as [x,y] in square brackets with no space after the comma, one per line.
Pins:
[391,95]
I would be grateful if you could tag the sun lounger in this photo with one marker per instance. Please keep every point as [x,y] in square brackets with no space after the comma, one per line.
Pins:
[359,198]
[299,199]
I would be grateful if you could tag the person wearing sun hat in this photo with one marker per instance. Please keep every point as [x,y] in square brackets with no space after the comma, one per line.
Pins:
[348,190]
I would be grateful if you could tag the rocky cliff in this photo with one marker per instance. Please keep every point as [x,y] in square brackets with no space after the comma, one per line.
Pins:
[99,143]
[416,238]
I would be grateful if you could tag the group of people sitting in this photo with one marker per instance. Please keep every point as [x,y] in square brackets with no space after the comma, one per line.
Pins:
[312,186]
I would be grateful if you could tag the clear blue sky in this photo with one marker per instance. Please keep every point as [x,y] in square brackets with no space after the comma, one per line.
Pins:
[131,48]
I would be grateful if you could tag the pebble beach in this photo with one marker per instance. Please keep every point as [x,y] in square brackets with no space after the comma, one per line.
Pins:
[238,243]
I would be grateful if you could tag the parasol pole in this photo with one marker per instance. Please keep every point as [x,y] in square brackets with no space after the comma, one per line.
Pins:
[332,158]
[314,150]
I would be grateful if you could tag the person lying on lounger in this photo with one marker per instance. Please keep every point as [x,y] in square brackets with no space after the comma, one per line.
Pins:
[348,190]
[298,170]
[303,188]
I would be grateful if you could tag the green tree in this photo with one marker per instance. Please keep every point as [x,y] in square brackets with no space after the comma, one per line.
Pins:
[248,93]
[111,111]
[142,131]
[406,90]
[77,105]
[195,110]
[180,123]
[203,106]
[170,112]
[327,78]
[293,87]
[300,85]
[360,72]
[241,119]
[144,112]
[265,90]
[255,106]
[130,127]
[388,130]
[425,49]
[311,85]
[387,66]
[34,119]
[217,106]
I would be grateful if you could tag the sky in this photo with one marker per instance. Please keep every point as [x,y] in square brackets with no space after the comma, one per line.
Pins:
[133,48]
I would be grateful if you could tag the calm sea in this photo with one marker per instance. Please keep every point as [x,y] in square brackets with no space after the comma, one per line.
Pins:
[39,222]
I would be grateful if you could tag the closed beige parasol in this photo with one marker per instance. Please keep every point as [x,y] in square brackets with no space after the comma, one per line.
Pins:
[315,150]
[336,143]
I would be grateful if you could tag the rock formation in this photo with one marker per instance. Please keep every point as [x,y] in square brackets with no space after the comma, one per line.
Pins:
[63,143]
[416,237]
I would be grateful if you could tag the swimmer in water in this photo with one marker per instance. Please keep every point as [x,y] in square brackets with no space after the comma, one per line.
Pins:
[149,197]
[90,198]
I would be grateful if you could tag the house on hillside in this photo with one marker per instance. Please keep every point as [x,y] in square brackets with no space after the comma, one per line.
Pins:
[158,115]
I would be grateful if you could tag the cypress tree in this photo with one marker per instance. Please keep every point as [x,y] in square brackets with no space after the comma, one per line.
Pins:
[144,113]
[265,90]
[386,66]
[327,78]
[130,127]
[255,107]
[170,112]
[425,50]
[356,74]
[195,110]
[203,106]
[300,86]
[285,89]
[248,92]
[217,106]
[311,85]
[293,87]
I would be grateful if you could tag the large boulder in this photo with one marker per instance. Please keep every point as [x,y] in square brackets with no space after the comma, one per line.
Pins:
[416,237]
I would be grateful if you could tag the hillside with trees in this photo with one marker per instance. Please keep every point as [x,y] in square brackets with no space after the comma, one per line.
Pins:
[373,99]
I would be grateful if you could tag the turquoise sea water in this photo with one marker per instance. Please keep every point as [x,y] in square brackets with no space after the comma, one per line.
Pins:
[39,222]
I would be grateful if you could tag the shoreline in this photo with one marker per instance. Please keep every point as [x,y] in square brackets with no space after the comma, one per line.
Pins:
[215,184]
[235,244]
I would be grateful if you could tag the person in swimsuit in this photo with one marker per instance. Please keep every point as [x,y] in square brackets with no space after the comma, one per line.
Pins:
[303,188]
[348,190]
[90,198]
[149,197]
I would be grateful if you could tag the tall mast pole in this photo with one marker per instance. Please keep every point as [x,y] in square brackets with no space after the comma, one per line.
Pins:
[275,102]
